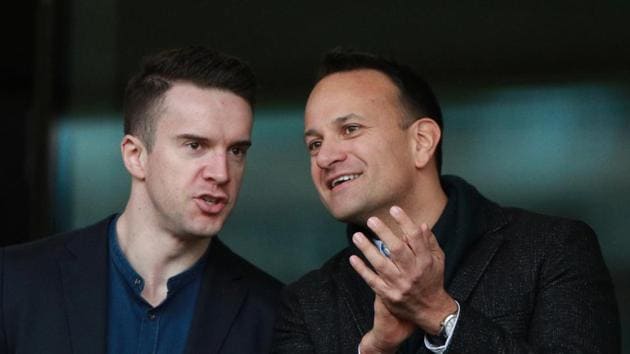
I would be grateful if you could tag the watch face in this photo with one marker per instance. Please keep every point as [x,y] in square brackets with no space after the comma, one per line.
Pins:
[439,339]
[449,325]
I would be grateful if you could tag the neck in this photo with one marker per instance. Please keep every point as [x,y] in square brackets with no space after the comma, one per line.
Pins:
[154,252]
[424,204]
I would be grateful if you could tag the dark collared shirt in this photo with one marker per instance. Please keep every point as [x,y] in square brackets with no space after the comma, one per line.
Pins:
[134,326]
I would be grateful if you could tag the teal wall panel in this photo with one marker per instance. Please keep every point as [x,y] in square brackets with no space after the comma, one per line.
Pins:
[562,150]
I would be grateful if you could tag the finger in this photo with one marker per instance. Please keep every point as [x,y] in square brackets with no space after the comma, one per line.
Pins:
[370,278]
[399,251]
[430,238]
[382,265]
[409,228]
[435,253]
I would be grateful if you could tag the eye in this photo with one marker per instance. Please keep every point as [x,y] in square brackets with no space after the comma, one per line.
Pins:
[314,145]
[238,151]
[350,129]
[193,145]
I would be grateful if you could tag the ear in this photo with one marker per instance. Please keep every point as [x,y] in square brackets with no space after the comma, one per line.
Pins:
[425,135]
[134,155]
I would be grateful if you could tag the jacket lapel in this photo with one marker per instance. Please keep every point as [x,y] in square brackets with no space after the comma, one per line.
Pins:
[489,220]
[474,266]
[356,294]
[221,296]
[84,277]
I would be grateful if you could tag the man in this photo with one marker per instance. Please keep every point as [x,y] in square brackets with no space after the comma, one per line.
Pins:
[154,279]
[432,265]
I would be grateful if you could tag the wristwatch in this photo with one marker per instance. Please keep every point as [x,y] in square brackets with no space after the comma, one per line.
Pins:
[447,326]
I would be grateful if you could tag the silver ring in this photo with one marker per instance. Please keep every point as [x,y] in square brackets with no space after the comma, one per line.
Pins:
[382,247]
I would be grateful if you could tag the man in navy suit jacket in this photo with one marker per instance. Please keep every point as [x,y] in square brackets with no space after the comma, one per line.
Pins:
[155,278]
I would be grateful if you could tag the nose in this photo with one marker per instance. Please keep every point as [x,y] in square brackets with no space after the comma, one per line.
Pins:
[330,153]
[216,168]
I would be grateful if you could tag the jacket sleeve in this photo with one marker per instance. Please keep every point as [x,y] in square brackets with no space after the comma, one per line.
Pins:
[291,334]
[575,309]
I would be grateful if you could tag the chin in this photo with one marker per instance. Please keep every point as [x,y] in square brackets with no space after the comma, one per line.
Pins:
[207,224]
[204,231]
[354,214]
[345,214]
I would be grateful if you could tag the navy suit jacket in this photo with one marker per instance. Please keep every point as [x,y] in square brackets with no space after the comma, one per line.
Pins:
[53,298]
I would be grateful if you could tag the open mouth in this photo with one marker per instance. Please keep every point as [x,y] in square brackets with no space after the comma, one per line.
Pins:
[210,204]
[342,179]
[212,199]
[209,199]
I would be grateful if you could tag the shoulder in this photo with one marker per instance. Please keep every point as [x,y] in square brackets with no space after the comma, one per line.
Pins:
[31,275]
[27,255]
[515,224]
[550,243]
[531,244]
[551,230]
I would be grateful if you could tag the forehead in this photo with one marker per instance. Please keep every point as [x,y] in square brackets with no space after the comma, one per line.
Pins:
[365,93]
[364,82]
[187,106]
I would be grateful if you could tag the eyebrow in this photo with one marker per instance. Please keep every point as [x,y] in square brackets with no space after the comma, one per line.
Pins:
[245,143]
[191,137]
[336,121]
[206,141]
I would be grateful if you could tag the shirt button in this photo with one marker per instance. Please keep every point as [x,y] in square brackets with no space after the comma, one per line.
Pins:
[137,281]
[152,316]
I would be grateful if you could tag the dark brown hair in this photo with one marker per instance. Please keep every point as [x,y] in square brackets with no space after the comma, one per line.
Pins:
[416,95]
[201,66]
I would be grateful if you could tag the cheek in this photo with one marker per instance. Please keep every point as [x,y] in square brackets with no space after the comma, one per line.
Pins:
[159,176]
[236,171]
[394,152]
[315,172]
[167,168]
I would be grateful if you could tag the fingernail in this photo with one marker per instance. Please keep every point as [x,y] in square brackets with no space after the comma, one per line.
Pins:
[371,221]
[394,210]
[357,238]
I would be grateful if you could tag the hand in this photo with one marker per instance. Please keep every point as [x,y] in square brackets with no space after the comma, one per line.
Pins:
[410,282]
[387,332]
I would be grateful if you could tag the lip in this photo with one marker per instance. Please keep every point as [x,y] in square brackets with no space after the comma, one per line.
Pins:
[330,180]
[217,205]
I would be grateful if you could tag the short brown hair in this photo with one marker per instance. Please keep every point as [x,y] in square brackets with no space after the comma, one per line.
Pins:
[416,95]
[201,66]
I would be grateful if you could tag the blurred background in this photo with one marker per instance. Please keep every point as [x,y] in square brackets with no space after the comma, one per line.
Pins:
[536,100]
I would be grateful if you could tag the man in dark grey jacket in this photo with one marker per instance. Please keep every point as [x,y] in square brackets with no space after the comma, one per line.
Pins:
[432,265]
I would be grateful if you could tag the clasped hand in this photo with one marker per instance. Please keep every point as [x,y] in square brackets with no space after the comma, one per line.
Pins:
[409,283]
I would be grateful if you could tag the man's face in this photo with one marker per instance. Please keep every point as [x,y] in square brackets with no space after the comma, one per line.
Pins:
[361,158]
[194,171]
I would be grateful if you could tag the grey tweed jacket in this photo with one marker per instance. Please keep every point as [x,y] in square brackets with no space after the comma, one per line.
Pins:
[530,284]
